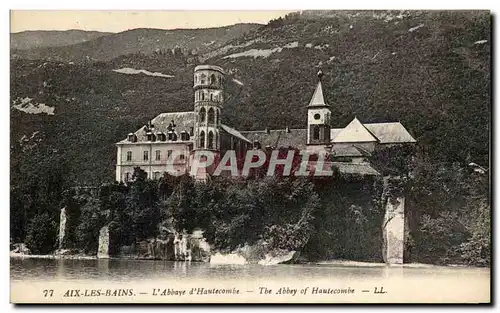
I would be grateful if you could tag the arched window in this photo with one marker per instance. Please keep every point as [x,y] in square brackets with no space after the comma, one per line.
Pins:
[210,140]
[211,97]
[202,115]
[212,79]
[202,139]
[202,95]
[316,133]
[203,78]
[210,117]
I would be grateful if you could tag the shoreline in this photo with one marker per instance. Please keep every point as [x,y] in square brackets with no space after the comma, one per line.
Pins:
[333,263]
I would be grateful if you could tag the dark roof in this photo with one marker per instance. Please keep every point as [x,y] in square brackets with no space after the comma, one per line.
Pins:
[360,168]
[390,132]
[234,132]
[278,138]
[355,168]
[349,151]
[183,122]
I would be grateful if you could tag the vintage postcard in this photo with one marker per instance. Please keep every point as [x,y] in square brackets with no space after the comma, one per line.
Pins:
[250,156]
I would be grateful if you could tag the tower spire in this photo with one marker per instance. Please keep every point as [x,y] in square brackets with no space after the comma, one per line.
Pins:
[317,98]
[318,119]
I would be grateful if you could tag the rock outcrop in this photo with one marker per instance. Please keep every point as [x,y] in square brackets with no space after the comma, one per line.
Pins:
[228,258]
[170,246]
[280,257]
[20,248]
[258,253]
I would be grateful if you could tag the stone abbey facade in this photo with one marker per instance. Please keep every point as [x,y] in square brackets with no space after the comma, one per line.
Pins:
[183,133]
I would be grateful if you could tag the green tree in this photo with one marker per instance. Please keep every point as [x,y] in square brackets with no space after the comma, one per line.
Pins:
[41,236]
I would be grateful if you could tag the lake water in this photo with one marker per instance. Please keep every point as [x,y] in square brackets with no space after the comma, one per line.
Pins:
[149,279]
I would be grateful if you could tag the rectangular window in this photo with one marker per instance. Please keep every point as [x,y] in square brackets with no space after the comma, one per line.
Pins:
[158,155]
[129,155]
[181,156]
[127,176]
[146,155]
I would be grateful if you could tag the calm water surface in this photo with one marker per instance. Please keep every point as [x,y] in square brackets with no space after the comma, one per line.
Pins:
[141,270]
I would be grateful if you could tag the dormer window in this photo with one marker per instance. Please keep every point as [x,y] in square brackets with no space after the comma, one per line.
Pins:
[132,137]
[161,136]
[172,136]
[184,136]
[151,136]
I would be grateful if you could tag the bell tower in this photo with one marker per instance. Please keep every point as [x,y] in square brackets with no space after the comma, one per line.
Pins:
[208,98]
[318,119]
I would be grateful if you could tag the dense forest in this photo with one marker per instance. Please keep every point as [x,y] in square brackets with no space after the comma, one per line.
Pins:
[429,70]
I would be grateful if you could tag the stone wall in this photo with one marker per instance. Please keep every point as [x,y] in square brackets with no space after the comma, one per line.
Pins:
[103,247]
[62,228]
[393,231]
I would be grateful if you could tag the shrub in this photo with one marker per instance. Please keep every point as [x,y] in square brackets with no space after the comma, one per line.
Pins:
[41,234]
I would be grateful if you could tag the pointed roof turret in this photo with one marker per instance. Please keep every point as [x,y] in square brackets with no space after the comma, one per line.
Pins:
[317,99]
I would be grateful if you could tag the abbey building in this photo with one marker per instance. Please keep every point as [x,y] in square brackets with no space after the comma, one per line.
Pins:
[183,133]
